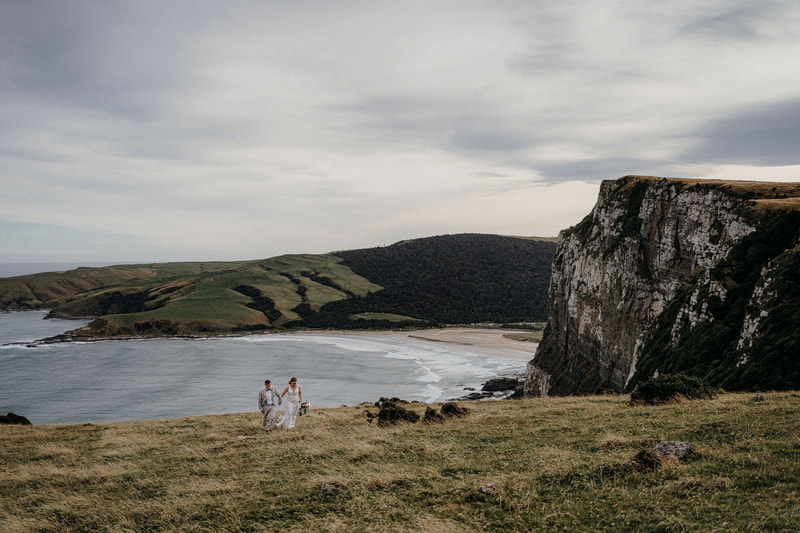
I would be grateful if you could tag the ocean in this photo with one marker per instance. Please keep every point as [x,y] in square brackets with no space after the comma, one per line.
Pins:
[122,380]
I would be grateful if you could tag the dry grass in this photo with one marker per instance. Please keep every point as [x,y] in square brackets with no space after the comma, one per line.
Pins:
[778,204]
[766,195]
[553,463]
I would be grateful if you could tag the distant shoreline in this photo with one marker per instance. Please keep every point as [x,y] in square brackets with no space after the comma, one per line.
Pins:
[491,340]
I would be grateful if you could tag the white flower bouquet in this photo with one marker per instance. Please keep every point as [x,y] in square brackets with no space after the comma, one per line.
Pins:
[304,407]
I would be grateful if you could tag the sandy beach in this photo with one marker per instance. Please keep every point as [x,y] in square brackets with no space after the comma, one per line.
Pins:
[485,338]
[491,341]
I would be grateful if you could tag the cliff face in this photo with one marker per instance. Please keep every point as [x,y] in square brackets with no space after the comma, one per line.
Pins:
[675,275]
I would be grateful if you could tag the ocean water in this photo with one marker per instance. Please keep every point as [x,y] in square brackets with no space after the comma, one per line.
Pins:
[170,378]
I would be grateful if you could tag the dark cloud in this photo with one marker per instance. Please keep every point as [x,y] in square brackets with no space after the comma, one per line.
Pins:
[451,124]
[186,122]
[740,21]
[80,57]
[600,169]
[765,135]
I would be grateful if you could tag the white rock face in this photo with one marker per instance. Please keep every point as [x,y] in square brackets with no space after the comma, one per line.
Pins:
[758,302]
[614,273]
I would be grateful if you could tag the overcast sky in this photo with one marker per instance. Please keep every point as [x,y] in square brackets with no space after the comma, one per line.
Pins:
[208,130]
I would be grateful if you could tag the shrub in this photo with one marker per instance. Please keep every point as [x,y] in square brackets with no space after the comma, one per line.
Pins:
[671,387]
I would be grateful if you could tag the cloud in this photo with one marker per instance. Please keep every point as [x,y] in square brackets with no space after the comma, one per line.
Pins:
[764,134]
[228,131]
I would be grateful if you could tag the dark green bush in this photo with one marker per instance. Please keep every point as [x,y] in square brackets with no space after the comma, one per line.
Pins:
[671,387]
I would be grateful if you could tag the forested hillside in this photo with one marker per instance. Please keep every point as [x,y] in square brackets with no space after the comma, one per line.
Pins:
[463,278]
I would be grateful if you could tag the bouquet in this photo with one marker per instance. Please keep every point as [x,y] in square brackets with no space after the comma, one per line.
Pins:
[303,408]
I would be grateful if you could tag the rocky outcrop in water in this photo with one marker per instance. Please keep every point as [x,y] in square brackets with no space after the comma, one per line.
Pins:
[666,275]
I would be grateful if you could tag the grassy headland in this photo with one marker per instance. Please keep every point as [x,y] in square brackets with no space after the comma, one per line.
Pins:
[553,462]
[446,279]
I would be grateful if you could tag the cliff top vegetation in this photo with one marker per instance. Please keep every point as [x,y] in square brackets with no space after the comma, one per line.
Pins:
[764,194]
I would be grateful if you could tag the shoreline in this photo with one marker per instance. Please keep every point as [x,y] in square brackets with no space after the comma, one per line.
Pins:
[491,342]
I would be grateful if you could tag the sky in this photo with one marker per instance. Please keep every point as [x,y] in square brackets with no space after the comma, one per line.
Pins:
[145,131]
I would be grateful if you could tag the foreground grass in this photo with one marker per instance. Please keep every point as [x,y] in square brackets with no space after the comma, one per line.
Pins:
[553,463]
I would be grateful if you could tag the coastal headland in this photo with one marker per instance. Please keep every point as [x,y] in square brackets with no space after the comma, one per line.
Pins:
[540,464]
[448,279]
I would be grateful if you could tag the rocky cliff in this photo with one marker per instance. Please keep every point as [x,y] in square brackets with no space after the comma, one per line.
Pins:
[668,275]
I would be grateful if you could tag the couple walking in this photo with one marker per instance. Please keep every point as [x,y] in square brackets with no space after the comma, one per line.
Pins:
[269,400]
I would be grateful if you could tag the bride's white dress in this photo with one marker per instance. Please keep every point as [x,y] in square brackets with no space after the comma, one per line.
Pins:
[292,405]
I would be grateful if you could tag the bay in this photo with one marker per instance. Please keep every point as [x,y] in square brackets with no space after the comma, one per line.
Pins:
[170,378]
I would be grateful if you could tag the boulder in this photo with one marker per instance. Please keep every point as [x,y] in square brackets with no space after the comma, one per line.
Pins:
[451,410]
[391,412]
[432,416]
[11,418]
[501,384]
[670,449]
[665,451]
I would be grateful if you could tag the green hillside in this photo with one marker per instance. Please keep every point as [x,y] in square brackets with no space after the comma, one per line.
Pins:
[459,278]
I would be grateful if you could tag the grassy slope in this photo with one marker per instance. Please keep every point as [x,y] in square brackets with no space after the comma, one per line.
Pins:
[183,298]
[215,303]
[552,461]
[454,278]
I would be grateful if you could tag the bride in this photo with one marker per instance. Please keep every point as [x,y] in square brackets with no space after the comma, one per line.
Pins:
[294,397]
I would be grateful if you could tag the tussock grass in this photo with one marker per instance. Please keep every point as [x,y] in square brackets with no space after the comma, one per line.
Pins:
[553,463]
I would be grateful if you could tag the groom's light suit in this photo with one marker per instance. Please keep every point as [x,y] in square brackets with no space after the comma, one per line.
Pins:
[268,402]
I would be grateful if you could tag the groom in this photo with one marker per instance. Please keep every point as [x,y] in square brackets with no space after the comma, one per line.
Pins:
[268,402]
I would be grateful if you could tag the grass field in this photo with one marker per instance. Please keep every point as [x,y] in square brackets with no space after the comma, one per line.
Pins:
[553,462]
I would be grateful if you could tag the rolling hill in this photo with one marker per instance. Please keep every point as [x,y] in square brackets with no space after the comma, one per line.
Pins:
[444,279]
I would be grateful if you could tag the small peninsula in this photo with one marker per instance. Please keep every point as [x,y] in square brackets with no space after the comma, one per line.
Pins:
[448,279]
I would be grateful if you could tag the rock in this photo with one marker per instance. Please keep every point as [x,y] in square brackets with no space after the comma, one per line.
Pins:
[486,489]
[395,401]
[11,418]
[537,381]
[432,416]
[501,384]
[391,412]
[651,460]
[651,262]
[450,409]
[669,449]
[474,396]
